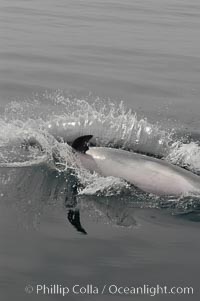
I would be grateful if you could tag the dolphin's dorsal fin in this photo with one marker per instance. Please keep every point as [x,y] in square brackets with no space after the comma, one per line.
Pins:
[81,143]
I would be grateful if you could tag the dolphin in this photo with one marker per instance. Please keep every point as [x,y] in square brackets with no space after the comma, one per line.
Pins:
[149,174]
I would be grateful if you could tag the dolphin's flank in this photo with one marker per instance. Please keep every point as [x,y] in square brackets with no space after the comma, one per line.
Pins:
[148,174]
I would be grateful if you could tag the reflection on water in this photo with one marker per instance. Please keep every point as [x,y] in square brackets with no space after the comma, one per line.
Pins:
[32,189]
[40,211]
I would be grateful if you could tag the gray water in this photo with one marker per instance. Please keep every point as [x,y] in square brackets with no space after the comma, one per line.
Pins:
[65,67]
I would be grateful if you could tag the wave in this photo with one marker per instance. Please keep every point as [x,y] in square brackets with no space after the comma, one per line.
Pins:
[54,120]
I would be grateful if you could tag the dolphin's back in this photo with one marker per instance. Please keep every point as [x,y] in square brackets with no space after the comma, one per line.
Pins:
[149,174]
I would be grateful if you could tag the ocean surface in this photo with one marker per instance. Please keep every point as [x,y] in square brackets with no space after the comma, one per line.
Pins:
[127,72]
